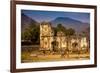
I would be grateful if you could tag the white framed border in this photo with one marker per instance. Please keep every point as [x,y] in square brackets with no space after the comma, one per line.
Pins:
[20,65]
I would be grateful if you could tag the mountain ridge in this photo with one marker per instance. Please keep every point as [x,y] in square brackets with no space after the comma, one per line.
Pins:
[65,21]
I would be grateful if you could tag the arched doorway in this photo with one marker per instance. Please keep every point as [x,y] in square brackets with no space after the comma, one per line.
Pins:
[54,46]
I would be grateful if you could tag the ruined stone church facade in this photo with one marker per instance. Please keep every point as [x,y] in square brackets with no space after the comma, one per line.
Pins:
[63,42]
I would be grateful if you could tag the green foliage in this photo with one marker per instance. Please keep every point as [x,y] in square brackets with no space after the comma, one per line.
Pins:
[60,27]
[25,35]
[68,32]
[35,33]
[31,33]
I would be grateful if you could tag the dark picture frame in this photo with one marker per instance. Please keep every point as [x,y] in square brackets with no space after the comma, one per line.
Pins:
[13,35]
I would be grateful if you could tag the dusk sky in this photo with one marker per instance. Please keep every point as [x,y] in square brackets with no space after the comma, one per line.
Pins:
[41,16]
